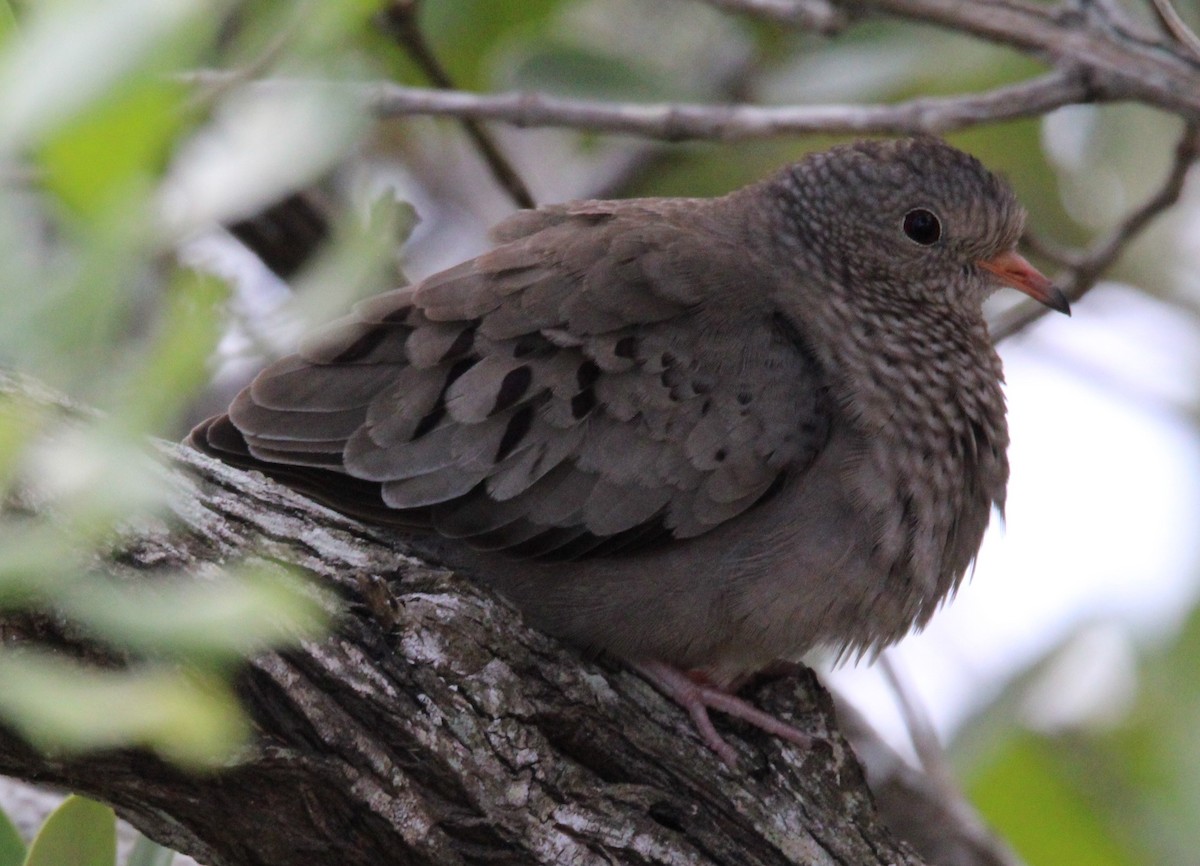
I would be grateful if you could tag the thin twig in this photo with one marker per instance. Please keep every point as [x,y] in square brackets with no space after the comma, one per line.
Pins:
[692,121]
[400,19]
[271,52]
[920,729]
[1085,268]
[645,159]
[1176,26]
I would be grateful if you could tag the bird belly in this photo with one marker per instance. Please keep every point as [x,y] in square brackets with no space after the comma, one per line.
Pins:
[796,572]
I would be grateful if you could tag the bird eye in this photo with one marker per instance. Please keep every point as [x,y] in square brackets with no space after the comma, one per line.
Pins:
[922,226]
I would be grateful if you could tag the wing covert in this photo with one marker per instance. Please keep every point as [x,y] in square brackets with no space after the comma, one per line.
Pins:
[583,389]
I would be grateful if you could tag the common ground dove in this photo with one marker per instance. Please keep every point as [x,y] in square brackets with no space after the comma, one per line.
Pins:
[702,435]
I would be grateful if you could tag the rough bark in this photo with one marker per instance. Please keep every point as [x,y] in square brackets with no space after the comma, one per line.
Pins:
[434,727]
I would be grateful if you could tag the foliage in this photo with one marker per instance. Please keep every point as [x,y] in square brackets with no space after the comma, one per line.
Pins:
[96,303]
[114,163]
[80,832]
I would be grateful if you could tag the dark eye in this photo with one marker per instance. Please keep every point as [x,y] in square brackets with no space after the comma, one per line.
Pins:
[922,226]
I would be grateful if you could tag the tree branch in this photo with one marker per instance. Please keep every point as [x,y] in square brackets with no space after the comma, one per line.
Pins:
[1174,24]
[1119,64]
[682,121]
[400,19]
[433,727]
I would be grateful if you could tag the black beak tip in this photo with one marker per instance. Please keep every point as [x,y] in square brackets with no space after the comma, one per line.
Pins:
[1058,301]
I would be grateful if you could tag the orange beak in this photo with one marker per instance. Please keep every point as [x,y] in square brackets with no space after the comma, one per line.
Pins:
[1013,270]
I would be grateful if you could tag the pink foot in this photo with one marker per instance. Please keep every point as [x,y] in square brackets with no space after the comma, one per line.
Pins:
[698,698]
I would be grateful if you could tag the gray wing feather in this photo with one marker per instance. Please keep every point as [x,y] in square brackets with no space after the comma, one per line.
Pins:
[585,386]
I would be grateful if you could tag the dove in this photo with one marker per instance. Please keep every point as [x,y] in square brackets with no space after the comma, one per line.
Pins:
[702,435]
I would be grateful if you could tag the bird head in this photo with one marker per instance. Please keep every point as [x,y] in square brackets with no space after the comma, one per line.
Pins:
[911,221]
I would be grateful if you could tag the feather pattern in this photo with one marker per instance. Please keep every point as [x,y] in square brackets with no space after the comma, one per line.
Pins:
[582,388]
[707,432]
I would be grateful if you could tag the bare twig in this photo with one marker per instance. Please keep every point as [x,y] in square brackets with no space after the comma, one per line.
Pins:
[1176,26]
[1117,66]
[274,48]
[1084,268]
[400,19]
[943,829]
[683,121]
[644,159]
[815,15]
[920,727]
[1095,62]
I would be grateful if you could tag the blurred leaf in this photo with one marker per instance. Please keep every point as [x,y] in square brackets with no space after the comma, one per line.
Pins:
[147,852]
[1023,793]
[1148,770]
[8,23]
[20,420]
[94,476]
[167,373]
[359,262]
[215,620]
[12,849]
[467,34]
[574,70]
[102,156]
[59,706]
[327,26]
[80,832]
[258,148]
[303,36]
[71,52]
[37,561]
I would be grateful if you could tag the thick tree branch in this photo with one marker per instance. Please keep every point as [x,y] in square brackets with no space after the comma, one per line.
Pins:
[434,727]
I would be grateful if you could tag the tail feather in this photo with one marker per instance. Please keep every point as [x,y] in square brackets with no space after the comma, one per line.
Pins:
[219,438]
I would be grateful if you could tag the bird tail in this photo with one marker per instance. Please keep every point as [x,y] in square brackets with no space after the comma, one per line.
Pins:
[218,437]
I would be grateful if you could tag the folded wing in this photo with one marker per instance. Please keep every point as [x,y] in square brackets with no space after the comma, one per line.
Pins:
[592,385]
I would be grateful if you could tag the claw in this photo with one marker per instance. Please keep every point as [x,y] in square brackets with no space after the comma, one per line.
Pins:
[699,697]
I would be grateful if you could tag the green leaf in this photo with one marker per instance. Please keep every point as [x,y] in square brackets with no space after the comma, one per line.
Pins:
[80,832]
[174,366]
[258,147]
[12,849]
[8,22]
[37,561]
[103,157]
[575,70]
[187,717]
[358,263]
[465,34]
[94,476]
[20,420]
[71,53]
[1041,810]
[211,621]
[147,852]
